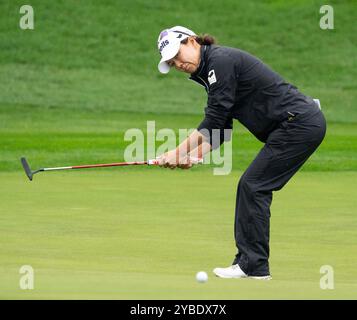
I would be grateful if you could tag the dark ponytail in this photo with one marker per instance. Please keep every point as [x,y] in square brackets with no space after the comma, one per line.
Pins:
[204,39]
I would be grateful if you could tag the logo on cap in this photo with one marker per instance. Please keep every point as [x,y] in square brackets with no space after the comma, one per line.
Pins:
[163,45]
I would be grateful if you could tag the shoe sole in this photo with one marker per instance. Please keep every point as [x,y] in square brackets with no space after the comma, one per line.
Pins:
[266,278]
[228,277]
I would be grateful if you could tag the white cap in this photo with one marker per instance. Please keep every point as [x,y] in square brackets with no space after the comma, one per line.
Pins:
[169,42]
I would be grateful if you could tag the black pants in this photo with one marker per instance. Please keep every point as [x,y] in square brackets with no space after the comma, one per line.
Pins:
[285,151]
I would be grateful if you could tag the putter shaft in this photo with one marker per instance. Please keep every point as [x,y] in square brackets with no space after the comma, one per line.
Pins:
[31,173]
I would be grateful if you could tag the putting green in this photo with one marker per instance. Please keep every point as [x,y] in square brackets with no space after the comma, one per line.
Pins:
[143,234]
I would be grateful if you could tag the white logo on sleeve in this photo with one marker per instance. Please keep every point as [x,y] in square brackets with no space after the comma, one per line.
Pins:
[212,77]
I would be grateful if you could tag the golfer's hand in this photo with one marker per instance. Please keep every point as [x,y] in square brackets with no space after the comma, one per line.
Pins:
[171,160]
[185,163]
[168,160]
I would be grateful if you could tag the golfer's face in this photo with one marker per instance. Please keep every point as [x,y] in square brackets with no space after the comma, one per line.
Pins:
[187,59]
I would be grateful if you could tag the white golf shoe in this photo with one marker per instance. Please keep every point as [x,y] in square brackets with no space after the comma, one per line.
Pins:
[235,271]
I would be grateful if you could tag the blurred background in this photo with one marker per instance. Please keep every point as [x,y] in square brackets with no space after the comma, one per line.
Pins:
[88,71]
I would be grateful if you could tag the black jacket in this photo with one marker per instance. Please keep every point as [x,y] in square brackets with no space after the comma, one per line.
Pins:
[242,87]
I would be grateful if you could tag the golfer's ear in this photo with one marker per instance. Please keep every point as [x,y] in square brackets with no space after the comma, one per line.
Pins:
[191,39]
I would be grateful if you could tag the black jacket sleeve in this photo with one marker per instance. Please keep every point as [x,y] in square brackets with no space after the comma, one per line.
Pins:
[221,98]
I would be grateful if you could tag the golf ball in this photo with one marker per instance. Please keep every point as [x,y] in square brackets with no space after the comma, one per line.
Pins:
[201,276]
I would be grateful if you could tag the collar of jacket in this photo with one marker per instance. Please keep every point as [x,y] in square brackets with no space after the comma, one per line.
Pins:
[200,75]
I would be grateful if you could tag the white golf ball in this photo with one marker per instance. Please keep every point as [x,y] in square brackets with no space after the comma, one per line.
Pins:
[201,276]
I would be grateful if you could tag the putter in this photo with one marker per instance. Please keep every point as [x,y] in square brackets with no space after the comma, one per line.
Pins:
[31,173]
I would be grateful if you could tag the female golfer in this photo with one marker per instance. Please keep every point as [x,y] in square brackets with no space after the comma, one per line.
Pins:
[240,86]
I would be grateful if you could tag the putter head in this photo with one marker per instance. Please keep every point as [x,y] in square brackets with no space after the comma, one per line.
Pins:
[27,168]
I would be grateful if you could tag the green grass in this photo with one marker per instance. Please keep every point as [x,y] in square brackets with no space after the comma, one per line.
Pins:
[97,56]
[92,137]
[127,234]
[88,72]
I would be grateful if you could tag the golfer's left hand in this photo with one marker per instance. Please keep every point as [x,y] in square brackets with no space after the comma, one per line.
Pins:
[168,160]
[185,163]
[171,160]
